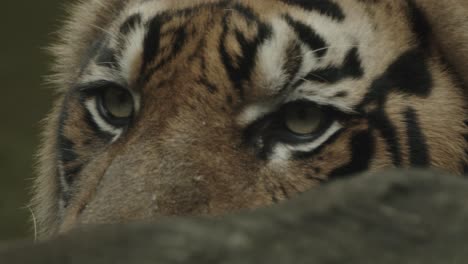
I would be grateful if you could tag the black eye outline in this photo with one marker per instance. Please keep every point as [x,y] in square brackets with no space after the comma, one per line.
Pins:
[272,128]
[98,90]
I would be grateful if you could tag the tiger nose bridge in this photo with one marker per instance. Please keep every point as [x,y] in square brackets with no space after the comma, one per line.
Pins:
[153,176]
[121,194]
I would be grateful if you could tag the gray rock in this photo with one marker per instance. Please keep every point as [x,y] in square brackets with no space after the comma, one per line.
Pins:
[389,217]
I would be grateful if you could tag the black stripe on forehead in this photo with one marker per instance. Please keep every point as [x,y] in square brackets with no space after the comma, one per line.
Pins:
[419,24]
[240,68]
[292,65]
[130,23]
[324,7]
[308,36]
[245,11]
[351,68]
[152,40]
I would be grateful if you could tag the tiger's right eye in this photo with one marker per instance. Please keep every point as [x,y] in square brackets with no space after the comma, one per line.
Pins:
[303,119]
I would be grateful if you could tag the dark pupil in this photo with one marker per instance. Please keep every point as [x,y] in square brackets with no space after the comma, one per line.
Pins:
[301,114]
[122,97]
[118,103]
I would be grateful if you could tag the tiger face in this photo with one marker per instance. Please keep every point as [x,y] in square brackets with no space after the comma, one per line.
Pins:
[207,107]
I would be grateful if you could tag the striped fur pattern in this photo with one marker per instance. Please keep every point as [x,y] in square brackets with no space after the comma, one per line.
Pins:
[209,80]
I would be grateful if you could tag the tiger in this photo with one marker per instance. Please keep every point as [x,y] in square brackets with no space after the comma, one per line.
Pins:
[211,107]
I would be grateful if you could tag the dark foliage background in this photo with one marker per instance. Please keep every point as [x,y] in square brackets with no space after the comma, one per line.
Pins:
[26,28]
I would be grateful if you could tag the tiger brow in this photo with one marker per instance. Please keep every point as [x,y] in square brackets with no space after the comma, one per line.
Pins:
[91,85]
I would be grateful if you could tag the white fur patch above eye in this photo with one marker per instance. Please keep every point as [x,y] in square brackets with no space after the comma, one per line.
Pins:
[254,112]
[92,107]
[95,72]
[134,40]
[272,55]
[132,52]
[148,9]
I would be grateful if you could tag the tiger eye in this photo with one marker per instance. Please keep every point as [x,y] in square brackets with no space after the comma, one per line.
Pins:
[303,119]
[118,103]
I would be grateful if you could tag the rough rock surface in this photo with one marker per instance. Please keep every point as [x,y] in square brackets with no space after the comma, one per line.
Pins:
[389,217]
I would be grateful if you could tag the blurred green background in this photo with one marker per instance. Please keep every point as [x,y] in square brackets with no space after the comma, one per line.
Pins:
[26,28]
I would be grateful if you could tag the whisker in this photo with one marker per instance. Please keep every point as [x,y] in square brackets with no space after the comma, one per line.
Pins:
[316,178]
[315,75]
[108,63]
[325,48]
[108,32]
[34,223]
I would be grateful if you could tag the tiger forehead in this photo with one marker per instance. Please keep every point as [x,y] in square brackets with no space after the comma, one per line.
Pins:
[265,7]
[290,42]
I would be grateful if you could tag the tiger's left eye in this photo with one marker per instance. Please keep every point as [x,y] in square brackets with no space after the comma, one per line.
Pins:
[118,102]
[297,122]
[303,119]
[116,105]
